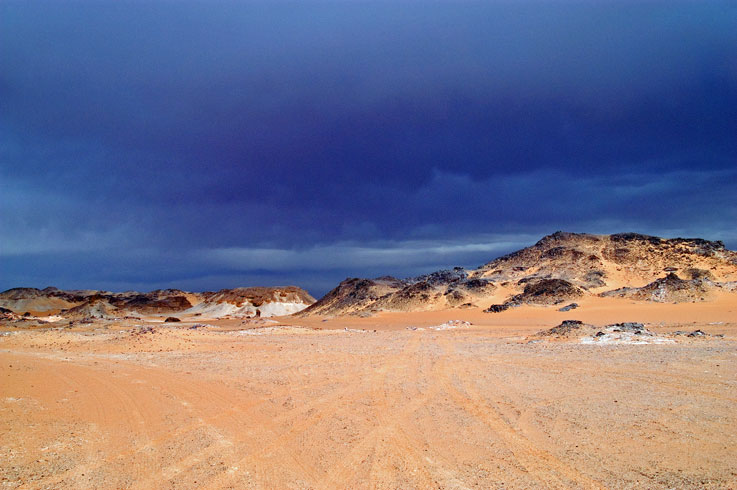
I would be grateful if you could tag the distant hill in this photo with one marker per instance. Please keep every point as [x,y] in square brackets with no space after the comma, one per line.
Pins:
[262,301]
[560,267]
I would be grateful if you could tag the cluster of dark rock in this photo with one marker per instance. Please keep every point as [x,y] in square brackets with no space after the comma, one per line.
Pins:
[577,329]
[445,288]
[541,292]
[671,288]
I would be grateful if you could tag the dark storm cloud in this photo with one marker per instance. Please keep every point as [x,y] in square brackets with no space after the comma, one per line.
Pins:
[166,143]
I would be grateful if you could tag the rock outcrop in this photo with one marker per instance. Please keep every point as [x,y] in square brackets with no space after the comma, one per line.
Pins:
[559,268]
[598,261]
[252,302]
[83,304]
[668,289]
[439,290]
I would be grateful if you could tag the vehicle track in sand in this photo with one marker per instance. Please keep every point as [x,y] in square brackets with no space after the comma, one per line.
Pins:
[388,434]
[543,466]
[404,409]
[198,400]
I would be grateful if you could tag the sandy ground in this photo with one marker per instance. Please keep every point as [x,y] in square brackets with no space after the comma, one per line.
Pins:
[113,406]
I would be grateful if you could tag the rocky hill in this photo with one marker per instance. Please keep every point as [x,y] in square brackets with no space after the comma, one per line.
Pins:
[439,290]
[560,267]
[104,304]
[599,261]
[258,301]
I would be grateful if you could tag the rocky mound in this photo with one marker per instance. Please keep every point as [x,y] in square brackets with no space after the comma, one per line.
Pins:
[6,314]
[668,289]
[439,290]
[568,329]
[155,302]
[560,267]
[547,292]
[251,302]
[353,295]
[596,261]
[41,301]
[81,304]
[618,333]
[94,307]
[541,292]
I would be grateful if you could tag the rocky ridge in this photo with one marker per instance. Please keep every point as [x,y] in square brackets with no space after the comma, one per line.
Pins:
[79,304]
[442,289]
[559,268]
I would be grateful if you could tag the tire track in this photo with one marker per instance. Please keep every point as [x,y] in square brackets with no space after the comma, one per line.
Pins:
[542,465]
[389,432]
[179,388]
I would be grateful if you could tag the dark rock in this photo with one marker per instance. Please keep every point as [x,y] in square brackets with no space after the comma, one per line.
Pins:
[569,307]
[636,237]
[632,327]
[547,291]
[441,277]
[476,284]
[594,279]
[150,303]
[497,308]
[699,274]
[567,253]
[566,328]
[172,319]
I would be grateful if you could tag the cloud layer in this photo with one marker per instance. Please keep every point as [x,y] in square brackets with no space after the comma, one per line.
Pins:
[181,143]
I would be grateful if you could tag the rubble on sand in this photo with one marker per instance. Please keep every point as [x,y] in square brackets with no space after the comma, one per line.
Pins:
[617,333]
[451,324]
[569,307]
[143,329]
[625,333]
[696,334]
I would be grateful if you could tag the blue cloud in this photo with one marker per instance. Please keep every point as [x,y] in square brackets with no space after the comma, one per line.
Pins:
[143,133]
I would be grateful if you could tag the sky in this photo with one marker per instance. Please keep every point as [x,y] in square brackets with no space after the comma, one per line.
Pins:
[208,145]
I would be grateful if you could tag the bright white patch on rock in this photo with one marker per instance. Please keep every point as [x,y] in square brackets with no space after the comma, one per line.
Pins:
[452,324]
[626,338]
[51,318]
[218,310]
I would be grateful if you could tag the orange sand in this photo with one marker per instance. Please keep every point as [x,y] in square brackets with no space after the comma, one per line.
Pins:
[102,406]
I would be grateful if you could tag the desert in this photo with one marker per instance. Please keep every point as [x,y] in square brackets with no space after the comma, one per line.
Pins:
[312,244]
[386,383]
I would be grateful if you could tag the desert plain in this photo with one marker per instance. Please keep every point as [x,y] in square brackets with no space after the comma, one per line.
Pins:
[582,362]
[379,402]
